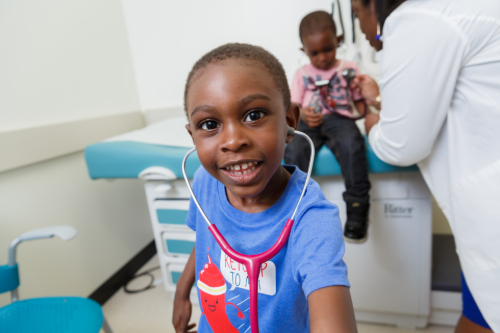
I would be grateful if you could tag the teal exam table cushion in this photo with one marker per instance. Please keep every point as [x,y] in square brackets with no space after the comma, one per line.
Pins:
[126,159]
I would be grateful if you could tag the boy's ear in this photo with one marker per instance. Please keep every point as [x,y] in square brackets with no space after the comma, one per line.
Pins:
[303,50]
[292,119]
[340,39]
[188,127]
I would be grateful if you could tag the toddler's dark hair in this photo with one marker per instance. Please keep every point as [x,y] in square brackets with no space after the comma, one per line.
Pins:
[318,21]
[248,54]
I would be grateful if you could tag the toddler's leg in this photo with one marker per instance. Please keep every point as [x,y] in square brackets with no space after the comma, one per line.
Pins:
[298,151]
[348,145]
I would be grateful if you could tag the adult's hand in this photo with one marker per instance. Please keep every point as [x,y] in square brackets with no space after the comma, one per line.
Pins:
[368,88]
[311,119]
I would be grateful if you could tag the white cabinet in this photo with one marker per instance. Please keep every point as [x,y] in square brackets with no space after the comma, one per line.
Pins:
[390,274]
[168,203]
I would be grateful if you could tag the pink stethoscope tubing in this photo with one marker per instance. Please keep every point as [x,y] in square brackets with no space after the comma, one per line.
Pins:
[253,262]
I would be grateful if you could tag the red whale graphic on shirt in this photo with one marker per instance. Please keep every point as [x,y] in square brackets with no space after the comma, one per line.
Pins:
[212,288]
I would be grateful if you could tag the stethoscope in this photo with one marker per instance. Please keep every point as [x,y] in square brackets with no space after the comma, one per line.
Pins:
[253,262]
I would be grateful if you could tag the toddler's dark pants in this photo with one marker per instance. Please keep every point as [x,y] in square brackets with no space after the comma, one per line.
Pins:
[343,138]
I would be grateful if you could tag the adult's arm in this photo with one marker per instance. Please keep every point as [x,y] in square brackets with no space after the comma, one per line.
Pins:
[422,57]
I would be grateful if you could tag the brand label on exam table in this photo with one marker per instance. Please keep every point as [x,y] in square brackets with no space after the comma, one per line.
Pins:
[236,275]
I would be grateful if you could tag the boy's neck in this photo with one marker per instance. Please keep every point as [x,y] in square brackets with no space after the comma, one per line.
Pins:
[264,200]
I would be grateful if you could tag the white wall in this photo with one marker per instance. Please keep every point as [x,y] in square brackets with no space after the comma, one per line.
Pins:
[167,37]
[61,61]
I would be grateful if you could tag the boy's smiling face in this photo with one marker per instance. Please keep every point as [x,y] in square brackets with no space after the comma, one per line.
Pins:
[321,48]
[238,122]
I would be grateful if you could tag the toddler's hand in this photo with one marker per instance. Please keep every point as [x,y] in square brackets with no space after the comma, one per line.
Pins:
[368,88]
[182,315]
[310,118]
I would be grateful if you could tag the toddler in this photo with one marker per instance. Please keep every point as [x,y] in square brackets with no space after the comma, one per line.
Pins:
[238,105]
[340,134]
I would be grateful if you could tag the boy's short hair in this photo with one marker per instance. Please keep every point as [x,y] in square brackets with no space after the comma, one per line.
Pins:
[250,54]
[318,21]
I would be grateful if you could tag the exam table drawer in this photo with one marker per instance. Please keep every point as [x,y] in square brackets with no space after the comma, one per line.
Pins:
[171,216]
[178,244]
[175,271]
[171,213]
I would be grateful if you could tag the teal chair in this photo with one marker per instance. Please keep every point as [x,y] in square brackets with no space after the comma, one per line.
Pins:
[48,314]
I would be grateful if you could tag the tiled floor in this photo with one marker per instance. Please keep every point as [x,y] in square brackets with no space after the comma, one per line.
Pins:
[151,312]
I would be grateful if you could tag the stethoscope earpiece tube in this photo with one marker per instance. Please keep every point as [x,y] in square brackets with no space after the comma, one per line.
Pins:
[253,262]
[309,169]
[189,185]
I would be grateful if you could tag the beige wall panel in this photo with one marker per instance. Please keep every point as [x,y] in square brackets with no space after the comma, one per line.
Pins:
[22,147]
[111,218]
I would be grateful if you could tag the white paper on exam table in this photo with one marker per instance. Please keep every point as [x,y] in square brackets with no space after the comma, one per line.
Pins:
[171,132]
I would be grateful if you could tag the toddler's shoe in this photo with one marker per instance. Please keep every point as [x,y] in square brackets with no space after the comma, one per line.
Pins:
[356,231]
[356,227]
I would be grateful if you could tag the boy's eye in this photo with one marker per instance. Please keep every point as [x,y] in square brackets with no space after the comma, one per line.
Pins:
[254,115]
[209,125]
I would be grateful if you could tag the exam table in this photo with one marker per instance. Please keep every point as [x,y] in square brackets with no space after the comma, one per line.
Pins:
[390,274]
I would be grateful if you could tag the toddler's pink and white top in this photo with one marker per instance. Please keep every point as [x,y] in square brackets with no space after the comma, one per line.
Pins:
[304,95]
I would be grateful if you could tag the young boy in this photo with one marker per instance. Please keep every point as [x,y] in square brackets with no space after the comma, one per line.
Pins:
[238,106]
[341,135]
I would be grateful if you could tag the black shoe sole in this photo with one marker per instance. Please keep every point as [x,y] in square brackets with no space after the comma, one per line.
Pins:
[356,241]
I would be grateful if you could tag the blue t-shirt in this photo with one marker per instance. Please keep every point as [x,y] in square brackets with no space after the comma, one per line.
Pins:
[311,259]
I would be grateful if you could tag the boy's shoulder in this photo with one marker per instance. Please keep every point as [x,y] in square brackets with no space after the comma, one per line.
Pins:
[309,69]
[202,179]
[314,199]
[298,74]
[200,173]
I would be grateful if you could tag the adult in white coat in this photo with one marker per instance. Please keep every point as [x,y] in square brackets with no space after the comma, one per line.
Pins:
[440,107]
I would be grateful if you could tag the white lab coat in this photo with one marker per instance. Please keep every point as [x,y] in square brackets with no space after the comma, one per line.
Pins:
[440,88]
